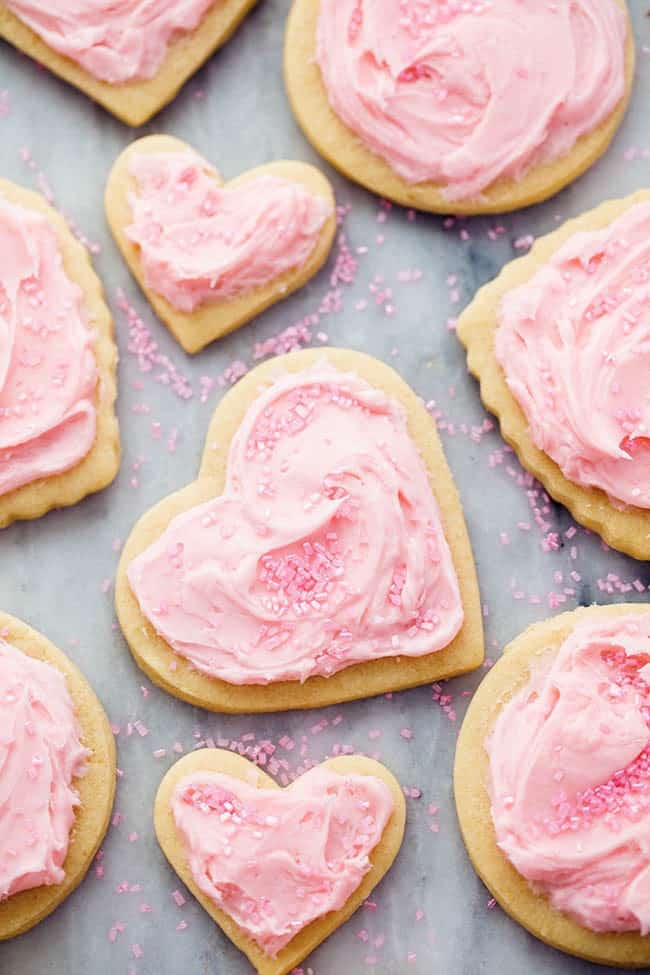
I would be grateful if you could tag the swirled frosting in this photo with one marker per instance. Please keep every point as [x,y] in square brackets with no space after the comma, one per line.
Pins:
[277,859]
[570,775]
[325,549]
[40,756]
[464,93]
[47,367]
[201,242]
[113,40]
[574,345]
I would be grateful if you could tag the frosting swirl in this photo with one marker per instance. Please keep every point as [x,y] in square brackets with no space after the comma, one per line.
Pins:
[113,40]
[574,345]
[569,760]
[201,242]
[465,93]
[277,859]
[40,756]
[47,367]
[325,549]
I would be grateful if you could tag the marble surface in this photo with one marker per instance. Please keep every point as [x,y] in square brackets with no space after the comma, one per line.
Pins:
[55,573]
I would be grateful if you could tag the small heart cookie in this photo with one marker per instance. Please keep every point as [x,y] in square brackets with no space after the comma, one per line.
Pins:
[462,108]
[57,777]
[559,343]
[551,782]
[279,869]
[320,556]
[211,256]
[59,438]
[136,62]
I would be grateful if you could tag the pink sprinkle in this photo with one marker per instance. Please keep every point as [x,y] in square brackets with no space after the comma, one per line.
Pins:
[137,951]
[178,898]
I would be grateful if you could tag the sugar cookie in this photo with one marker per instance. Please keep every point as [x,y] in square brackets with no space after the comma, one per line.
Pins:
[464,114]
[359,799]
[264,235]
[336,561]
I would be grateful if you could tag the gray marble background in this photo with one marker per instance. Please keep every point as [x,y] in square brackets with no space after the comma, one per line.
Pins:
[55,572]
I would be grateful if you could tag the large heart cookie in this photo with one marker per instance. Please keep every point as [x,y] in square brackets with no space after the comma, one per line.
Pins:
[553,754]
[320,556]
[463,108]
[558,342]
[279,869]
[59,438]
[211,256]
[171,46]
[37,718]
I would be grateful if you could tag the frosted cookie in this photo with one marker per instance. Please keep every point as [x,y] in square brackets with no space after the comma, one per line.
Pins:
[552,782]
[57,776]
[320,556]
[211,256]
[560,342]
[279,869]
[133,57]
[59,437]
[478,107]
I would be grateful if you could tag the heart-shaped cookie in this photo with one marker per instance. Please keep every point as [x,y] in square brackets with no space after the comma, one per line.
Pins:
[584,331]
[132,101]
[421,99]
[596,724]
[96,787]
[59,437]
[264,235]
[364,827]
[337,568]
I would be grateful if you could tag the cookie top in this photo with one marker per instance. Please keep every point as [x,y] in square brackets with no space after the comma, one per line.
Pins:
[326,548]
[48,373]
[574,344]
[41,755]
[276,859]
[200,242]
[113,42]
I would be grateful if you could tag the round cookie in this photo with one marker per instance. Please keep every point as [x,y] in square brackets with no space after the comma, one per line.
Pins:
[307,939]
[100,465]
[96,788]
[345,150]
[471,771]
[625,528]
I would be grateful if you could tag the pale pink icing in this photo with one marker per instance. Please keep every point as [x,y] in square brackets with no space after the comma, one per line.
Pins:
[47,367]
[113,40]
[277,859]
[574,344]
[570,775]
[201,242]
[325,549]
[466,92]
[40,756]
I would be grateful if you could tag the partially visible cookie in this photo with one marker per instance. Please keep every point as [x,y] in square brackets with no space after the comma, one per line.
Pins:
[59,438]
[220,253]
[320,556]
[161,53]
[551,782]
[254,855]
[558,342]
[60,781]
[485,109]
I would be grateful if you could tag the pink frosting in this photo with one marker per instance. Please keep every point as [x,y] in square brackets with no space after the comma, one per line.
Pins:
[277,859]
[570,775]
[325,549]
[200,241]
[574,344]
[47,367]
[466,92]
[113,40]
[40,756]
